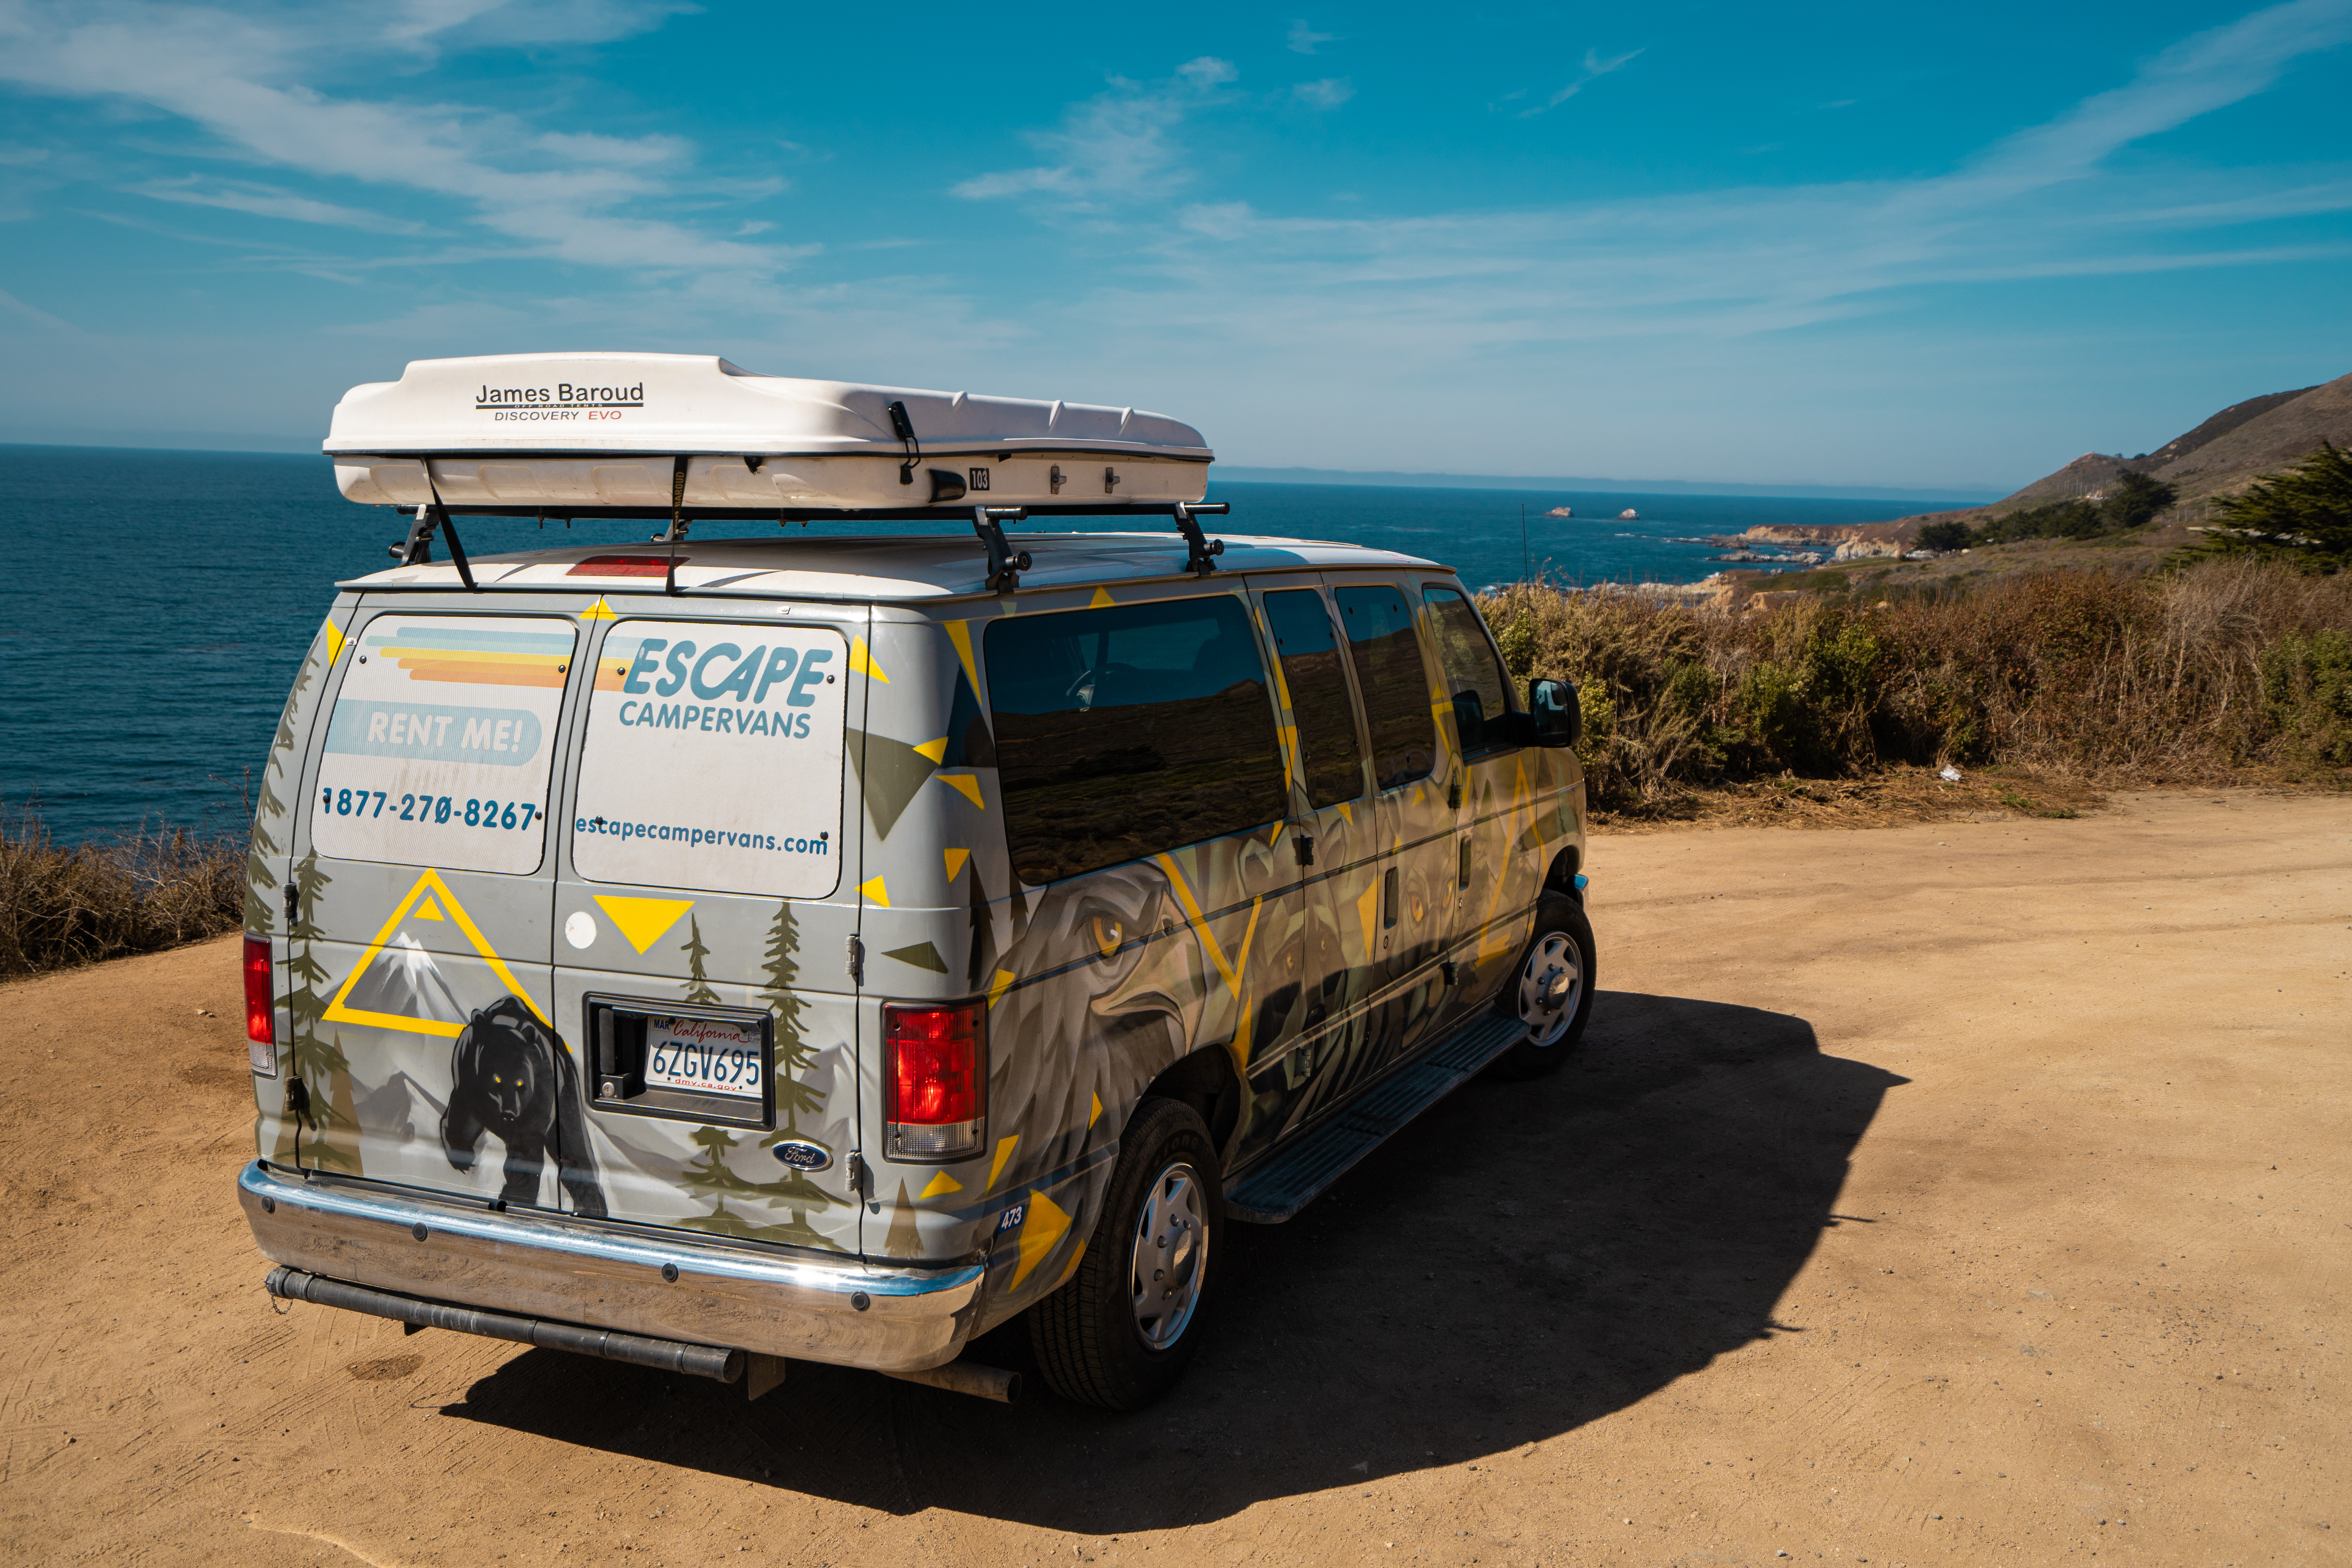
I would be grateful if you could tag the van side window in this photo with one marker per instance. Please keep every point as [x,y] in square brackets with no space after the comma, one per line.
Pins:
[1473,675]
[439,748]
[1125,732]
[1328,744]
[1396,688]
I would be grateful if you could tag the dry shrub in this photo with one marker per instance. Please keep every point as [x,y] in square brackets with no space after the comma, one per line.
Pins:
[60,907]
[2189,677]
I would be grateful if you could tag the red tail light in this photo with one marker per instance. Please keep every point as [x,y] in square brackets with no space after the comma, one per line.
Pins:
[260,1006]
[936,1070]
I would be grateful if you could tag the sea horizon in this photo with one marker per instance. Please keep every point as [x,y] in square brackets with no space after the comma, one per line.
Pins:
[163,598]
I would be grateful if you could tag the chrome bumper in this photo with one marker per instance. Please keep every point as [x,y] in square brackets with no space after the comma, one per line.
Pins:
[610,1276]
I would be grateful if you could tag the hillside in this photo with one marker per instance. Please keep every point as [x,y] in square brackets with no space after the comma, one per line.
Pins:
[2235,447]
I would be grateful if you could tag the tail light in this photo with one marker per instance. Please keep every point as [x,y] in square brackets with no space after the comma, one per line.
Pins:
[260,1006]
[935,1068]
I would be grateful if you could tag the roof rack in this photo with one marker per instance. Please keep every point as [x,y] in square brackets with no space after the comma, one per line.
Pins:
[1005,565]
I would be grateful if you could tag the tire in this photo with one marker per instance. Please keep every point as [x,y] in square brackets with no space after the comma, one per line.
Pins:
[1103,1338]
[1550,990]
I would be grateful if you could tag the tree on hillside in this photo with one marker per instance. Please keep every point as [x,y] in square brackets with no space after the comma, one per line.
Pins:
[1950,534]
[2303,515]
[2134,501]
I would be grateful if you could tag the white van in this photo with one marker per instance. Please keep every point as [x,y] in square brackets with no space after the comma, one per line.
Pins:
[725,951]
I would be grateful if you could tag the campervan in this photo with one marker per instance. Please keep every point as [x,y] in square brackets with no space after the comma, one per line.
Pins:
[776,942]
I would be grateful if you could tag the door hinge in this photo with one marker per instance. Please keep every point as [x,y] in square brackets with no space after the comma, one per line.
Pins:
[1303,847]
[856,956]
[853,1170]
[293,904]
[1452,971]
[1454,796]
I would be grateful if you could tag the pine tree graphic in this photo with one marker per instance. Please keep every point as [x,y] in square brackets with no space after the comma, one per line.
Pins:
[795,1193]
[697,983]
[331,1139]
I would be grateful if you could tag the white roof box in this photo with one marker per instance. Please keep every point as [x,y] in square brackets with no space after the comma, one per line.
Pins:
[610,434]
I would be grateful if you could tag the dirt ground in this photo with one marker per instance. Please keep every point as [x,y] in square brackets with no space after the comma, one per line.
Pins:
[1967,1191]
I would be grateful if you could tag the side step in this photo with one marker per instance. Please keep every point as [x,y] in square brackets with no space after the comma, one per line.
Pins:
[1294,1177]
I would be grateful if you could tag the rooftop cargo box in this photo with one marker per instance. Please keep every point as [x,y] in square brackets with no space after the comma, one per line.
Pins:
[588,434]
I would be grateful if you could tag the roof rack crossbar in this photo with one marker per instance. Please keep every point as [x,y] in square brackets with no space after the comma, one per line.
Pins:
[1004,563]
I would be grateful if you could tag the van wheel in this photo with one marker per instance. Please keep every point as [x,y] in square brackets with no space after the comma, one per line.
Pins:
[1550,990]
[1119,1334]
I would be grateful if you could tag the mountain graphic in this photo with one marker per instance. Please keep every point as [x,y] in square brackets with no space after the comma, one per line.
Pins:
[403,982]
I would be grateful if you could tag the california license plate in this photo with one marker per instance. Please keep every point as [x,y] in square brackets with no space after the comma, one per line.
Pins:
[707,1055]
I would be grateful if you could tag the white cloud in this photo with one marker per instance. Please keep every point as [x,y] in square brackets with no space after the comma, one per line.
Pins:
[1116,146]
[1329,93]
[264,201]
[1302,38]
[573,197]
[1448,286]
[1595,68]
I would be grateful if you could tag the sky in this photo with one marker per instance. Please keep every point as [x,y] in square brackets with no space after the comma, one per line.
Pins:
[1941,248]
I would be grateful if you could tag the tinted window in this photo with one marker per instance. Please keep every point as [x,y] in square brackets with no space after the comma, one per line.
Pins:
[1125,732]
[1309,651]
[1473,676]
[1396,690]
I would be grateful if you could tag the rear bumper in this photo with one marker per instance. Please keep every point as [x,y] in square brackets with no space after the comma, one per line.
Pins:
[607,1276]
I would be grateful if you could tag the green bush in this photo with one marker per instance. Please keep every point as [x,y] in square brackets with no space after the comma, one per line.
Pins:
[2307,694]
[2186,678]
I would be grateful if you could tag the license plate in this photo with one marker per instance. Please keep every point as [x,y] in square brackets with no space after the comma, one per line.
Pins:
[707,1056]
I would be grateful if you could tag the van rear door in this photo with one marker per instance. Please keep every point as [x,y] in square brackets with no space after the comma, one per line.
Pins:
[417,984]
[706,891]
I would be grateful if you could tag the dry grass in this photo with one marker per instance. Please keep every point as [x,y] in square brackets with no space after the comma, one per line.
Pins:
[61,907]
[2231,671]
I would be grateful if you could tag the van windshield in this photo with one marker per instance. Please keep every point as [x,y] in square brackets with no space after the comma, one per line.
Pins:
[1125,732]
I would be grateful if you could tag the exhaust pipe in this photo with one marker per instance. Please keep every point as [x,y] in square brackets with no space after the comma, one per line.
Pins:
[713,1362]
[968,1377]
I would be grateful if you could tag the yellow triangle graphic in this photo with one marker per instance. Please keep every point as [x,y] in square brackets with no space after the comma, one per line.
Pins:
[1045,1225]
[601,610]
[1368,910]
[862,662]
[335,640]
[644,921]
[964,785]
[1096,1114]
[1101,601]
[1077,1256]
[429,911]
[996,984]
[875,892]
[1003,1153]
[941,1185]
[960,634]
[427,885]
[955,859]
[935,751]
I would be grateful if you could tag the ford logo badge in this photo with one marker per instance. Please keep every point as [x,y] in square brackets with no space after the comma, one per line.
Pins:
[804,1156]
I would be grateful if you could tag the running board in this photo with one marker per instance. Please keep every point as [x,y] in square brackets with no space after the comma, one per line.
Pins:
[1296,1176]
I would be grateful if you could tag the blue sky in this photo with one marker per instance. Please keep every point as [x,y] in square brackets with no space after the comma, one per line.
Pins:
[1858,245]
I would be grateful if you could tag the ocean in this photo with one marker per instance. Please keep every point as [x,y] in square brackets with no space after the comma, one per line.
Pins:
[157,604]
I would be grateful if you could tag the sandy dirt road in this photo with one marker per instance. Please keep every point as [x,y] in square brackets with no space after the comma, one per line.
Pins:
[1974,1191]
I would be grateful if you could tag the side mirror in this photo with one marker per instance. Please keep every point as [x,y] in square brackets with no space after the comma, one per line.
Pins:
[1557,716]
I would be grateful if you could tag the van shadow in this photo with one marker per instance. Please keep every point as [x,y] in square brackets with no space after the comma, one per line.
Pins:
[1523,1259]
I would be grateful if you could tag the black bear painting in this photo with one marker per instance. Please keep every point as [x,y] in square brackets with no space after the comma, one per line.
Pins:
[513,1076]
